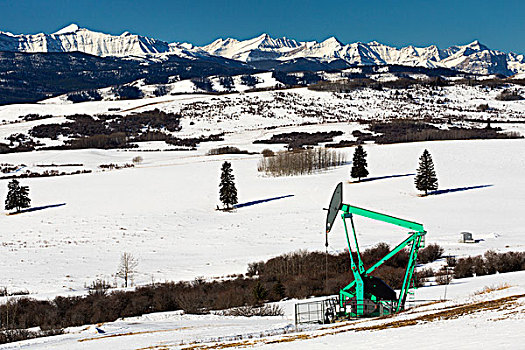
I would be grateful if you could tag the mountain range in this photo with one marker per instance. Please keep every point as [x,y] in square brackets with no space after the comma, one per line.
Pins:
[474,58]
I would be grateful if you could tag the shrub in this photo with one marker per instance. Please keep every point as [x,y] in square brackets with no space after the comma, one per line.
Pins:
[9,336]
[463,268]
[443,276]
[267,152]
[407,130]
[483,107]
[490,263]
[376,252]
[227,82]
[430,253]
[509,95]
[126,92]
[226,150]
[80,125]
[203,83]
[83,96]
[298,274]
[504,262]
[478,266]
[425,273]
[254,268]
[160,90]
[249,80]
[99,287]
[249,311]
[279,290]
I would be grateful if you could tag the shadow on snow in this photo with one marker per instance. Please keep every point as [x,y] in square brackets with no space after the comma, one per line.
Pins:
[384,177]
[247,204]
[458,189]
[38,208]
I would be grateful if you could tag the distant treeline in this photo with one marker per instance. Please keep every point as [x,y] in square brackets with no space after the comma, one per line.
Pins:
[300,162]
[408,130]
[402,82]
[300,139]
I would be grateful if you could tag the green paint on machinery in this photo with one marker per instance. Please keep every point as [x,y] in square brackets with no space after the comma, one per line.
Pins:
[366,295]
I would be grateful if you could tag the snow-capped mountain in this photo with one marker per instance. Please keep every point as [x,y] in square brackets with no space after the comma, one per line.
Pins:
[74,38]
[473,58]
[262,47]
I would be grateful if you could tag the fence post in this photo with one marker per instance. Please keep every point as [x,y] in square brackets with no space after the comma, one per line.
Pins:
[323,321]
[296,315]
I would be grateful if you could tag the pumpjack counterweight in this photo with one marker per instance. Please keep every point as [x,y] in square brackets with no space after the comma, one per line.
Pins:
[368,295]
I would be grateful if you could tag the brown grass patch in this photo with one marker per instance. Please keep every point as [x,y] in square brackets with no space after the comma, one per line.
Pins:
[490,289]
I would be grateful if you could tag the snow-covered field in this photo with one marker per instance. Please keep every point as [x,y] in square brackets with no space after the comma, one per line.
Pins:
[163,212]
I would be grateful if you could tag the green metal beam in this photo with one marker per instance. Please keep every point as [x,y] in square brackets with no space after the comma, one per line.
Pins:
[393,252]
[408,274]
[382,217]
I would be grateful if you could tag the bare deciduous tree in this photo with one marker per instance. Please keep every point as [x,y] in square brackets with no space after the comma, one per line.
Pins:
[286,163]
[127,268]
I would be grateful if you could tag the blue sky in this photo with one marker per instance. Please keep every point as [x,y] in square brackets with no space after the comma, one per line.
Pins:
[497,24]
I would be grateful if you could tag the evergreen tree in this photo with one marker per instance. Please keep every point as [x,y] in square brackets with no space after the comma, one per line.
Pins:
[359,164]
[426,179]
[227,189]
[17,196]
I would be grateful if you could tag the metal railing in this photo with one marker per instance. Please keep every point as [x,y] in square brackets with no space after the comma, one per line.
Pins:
[319,311]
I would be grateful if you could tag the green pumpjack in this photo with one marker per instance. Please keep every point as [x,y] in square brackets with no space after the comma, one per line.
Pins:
[366,295]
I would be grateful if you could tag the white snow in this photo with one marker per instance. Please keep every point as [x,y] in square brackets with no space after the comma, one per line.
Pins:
[162,211]
[68,29]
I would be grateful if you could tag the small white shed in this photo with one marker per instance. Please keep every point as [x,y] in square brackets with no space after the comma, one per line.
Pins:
[466,237]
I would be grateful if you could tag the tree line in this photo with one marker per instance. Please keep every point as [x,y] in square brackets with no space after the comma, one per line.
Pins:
[300,162]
